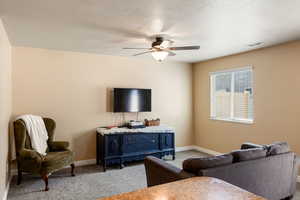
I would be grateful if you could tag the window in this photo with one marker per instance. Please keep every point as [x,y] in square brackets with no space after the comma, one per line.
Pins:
[232,95]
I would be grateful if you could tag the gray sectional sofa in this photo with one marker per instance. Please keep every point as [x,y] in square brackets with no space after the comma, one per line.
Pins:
[266,170]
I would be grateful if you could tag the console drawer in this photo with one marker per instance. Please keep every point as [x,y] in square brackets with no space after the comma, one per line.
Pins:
[140,142]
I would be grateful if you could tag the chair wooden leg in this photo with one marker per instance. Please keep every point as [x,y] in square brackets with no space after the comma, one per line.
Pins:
[72,169]
[19,177]
[45,178]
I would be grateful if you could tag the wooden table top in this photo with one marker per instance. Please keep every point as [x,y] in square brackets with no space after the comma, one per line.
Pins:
[197,188]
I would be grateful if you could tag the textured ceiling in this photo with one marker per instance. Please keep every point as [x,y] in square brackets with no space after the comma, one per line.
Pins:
[220,27]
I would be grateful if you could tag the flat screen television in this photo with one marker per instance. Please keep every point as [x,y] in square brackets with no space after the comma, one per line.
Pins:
[132,100]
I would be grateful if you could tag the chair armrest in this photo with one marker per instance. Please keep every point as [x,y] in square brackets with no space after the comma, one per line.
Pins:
[29,160]
[28,154]
[58,146]
[160,172]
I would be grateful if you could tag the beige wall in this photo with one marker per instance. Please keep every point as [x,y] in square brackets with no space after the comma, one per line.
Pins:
[276,99]
[5,107]
[73,87]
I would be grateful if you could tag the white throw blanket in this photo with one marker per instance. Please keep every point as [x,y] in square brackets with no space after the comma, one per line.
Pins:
[37,132]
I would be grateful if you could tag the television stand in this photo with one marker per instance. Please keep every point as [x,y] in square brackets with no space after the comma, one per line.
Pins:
[117,146]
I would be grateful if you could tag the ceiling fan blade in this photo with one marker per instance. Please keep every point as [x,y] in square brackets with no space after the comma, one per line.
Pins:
[134,48]
[170,53]
[184,48]
[143,53]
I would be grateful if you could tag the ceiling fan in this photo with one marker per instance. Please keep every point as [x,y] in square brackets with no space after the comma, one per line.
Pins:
[161,48]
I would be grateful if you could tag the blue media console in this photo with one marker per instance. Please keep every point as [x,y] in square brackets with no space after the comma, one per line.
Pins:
[121,147]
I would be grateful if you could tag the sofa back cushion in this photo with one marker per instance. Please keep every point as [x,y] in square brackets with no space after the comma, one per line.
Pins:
[278,148]
[248,154]
[193,165]
[249,145]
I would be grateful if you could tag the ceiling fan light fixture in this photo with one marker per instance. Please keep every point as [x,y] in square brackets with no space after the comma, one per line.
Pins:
[160,49]
[160,55]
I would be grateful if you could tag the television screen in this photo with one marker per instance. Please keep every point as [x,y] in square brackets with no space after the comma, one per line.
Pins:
[132,100]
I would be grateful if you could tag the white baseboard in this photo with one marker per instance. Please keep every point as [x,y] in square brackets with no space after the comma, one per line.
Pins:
[6,189]
[207,151]
[197,148]
[85,162]
[184,148]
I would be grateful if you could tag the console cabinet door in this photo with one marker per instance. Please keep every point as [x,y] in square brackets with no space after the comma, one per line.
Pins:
[140,143]
[113,145]
[166,140]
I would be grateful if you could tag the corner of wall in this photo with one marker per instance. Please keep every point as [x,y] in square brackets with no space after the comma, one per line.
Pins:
[193,65]
[6,110]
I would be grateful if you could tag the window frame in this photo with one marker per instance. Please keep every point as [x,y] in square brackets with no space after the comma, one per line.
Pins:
[212,76]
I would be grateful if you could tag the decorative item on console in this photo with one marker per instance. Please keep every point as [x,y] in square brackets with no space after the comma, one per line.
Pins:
[152,122]
[135,124]
[110,127]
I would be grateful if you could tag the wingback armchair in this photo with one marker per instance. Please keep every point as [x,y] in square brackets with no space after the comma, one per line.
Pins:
[30,161]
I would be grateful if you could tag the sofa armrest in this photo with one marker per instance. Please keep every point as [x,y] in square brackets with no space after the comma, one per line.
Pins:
[58,146]
[248,145]
[160,172]
[28,154]
[296,166]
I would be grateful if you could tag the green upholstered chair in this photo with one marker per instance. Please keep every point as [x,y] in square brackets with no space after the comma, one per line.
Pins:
[30,161]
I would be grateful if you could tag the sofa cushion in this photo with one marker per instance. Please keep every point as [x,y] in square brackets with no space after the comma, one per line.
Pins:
[248,154]
[277,148]
[249,145]
[193,165]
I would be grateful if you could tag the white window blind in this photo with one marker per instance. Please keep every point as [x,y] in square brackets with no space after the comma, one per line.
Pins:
[232,95]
